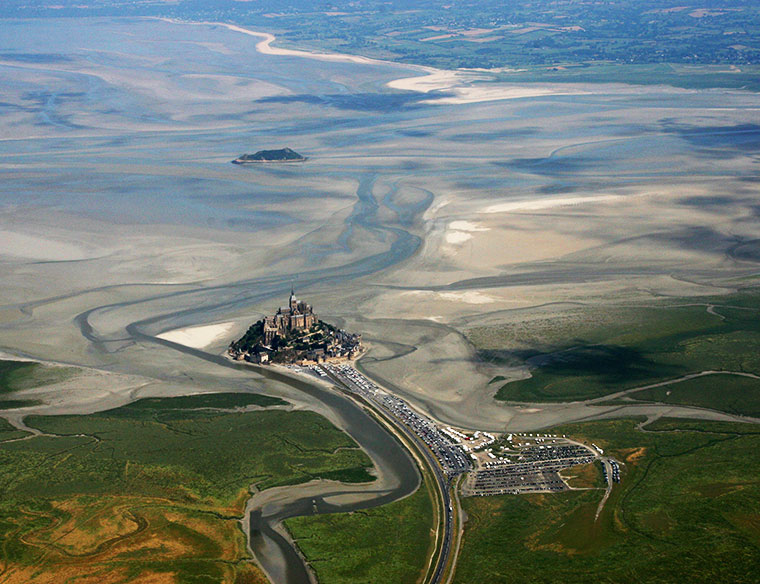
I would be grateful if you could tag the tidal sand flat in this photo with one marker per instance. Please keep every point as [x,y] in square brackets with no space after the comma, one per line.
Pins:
[475,208]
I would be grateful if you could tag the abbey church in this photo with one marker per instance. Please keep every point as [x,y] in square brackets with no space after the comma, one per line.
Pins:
[297,316]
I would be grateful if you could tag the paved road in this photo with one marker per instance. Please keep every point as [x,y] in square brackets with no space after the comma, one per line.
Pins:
[442,482]
[608,489]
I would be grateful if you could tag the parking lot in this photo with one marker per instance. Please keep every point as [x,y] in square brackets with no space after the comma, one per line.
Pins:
[450,456]
[519,463]
[529,467]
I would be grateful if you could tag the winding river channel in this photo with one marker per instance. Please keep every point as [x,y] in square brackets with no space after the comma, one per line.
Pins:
[397,473]
[398,477]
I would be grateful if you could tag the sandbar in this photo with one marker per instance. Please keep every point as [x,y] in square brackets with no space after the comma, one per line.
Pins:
[540,204]
[198,337]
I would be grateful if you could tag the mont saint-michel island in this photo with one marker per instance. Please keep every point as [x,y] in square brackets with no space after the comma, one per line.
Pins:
[294,334]
[283,155]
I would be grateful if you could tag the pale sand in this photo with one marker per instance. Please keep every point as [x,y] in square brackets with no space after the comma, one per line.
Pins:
[467,226]
[540,204]
[434,80]
[461,87]
[458,85]
[198,337]
[461,231]
[464,95]
[468,297]
[456,237]
[20,245]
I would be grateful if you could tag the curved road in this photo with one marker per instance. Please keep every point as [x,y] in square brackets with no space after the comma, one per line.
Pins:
[442,483]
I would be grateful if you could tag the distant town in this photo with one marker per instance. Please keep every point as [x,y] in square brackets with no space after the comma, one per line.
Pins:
[294,334]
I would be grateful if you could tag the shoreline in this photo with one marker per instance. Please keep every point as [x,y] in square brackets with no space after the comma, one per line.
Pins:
[448,81]
[265,47]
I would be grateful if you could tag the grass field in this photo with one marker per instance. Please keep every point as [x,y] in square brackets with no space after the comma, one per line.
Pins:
[13,404]
[199,401]
[687,510]
[8,432]
[380,545]
[584,476]
[581,355]
[730,393]
[152,492]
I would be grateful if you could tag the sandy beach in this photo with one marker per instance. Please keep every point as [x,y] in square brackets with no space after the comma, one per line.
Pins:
[31,247]
[199,337]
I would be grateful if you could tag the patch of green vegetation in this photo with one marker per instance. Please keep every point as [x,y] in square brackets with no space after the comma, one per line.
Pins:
[169,483]
[207,400]
[18,375]
[519,34]
[9,370]
[12,404]
[280,447]
[496,379]
[685,76]
[687,510]
[731,393]
[358,474]
[384,544]
[574,373]
[585,476]
[710,427]
[581,355]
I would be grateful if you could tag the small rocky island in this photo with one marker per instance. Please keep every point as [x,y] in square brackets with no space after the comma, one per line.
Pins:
[264,156]
[295,335]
